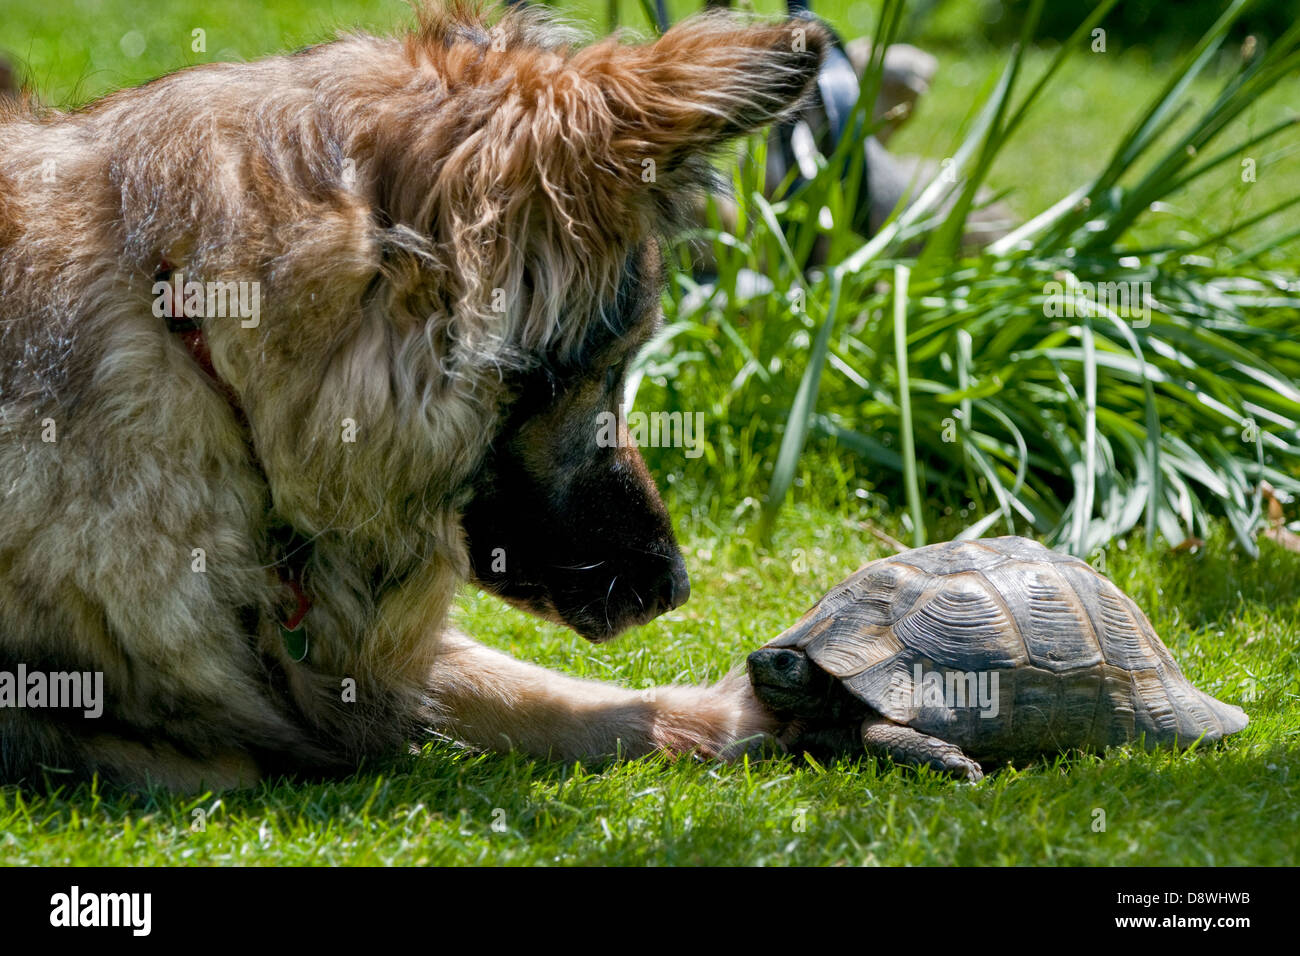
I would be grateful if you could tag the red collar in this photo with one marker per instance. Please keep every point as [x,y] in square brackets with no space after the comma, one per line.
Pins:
[190,332]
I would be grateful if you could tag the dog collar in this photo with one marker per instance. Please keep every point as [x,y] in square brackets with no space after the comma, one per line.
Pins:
[290,567]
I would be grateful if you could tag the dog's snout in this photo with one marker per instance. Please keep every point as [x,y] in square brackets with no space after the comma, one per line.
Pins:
[674,585]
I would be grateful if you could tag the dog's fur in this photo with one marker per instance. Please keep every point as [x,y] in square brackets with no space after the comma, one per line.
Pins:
[388,195]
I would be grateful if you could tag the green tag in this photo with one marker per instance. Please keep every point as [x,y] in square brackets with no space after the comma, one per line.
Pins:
[295,642]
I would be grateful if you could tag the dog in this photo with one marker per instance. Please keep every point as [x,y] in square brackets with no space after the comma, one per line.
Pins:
[248,524]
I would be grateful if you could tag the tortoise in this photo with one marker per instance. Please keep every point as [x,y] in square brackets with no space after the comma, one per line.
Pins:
[982,651]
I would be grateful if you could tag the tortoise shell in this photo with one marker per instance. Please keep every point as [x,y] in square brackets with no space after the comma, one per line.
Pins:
[1066,658]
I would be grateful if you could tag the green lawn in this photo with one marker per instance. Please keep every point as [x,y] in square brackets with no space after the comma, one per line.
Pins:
[1233,624]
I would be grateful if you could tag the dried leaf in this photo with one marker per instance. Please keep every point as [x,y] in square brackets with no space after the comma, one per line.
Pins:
[1287,539]
[1277,529]
[1275,516]
[883,536]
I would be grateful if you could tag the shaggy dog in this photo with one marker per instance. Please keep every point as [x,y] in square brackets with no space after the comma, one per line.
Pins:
[422,264]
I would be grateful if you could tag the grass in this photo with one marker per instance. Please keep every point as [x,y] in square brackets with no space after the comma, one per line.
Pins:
[1168,407]
[1233,623]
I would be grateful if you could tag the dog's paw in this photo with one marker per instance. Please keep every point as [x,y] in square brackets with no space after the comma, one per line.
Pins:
[724,720]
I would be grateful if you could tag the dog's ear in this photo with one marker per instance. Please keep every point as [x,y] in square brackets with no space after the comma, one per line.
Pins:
[707,80]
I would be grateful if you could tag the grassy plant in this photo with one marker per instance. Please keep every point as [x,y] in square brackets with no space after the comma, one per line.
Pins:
[1063,380]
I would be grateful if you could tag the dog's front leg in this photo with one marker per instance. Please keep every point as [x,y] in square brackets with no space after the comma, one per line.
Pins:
[488,699]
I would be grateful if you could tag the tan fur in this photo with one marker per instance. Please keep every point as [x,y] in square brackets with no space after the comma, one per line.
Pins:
[381,191]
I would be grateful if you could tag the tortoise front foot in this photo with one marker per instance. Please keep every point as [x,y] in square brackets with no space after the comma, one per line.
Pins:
[884,738]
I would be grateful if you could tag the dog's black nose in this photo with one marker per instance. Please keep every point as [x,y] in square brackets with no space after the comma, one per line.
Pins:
[674,585]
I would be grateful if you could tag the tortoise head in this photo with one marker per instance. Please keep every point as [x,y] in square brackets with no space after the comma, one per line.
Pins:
[786,681]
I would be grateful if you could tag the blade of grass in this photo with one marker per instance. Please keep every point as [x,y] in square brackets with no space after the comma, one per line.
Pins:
[799,419]
[901,274]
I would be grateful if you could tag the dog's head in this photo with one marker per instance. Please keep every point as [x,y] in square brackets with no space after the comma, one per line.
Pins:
[566,520]
[521,186]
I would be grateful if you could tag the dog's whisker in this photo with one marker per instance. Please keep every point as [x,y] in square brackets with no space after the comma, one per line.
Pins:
[579,567]
[612,582]
[655,554]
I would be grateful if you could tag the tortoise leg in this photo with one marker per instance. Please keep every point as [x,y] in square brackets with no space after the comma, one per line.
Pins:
[902,744]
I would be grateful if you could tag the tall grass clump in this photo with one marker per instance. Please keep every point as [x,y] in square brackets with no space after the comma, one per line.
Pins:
[1063,380]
